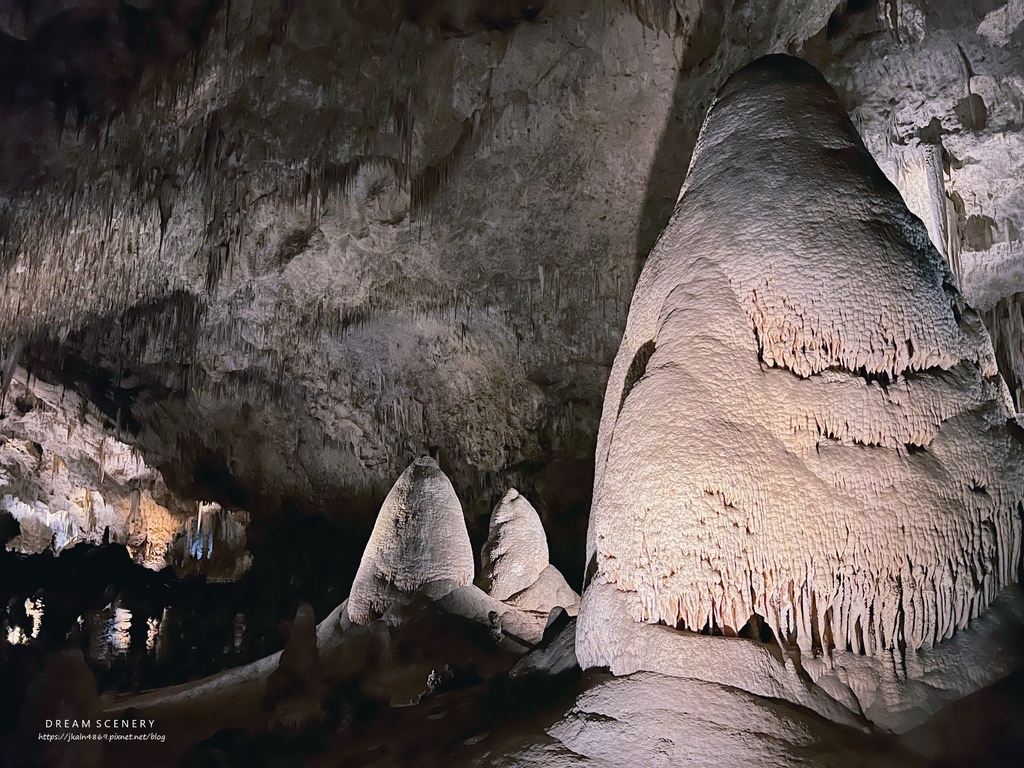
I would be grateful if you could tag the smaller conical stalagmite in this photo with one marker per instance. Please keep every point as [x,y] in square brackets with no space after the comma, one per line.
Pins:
[420,536]
[516,552]
[293,694]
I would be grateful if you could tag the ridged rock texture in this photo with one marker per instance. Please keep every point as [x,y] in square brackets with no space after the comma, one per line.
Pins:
[515,566]
[804,420]
[420,536]
[549,591]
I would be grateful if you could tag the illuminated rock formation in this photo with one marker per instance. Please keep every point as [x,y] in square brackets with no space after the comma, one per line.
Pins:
[804,421]
[67,480]
[516,551]
[549,591]
[420,536]
[515,560]
[213,543]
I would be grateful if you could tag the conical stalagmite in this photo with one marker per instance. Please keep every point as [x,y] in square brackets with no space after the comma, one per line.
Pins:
[420,536]
[515,560]
[516,552]
[292,696]
[64,693]
[804,420]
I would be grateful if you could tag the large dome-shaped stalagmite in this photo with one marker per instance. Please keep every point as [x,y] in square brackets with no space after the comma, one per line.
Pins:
[804,421]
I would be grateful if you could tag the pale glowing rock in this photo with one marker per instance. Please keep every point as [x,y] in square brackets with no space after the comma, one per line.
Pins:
[152,632]
[420,536]
[516,552]
[200,538]
[804,420]
[109,632]
[66,481]
[34,610]
[119,628]
[518,628]
[1000,24]
[919,178]
[16,636]
[548,592]
[664,722]
[515,560]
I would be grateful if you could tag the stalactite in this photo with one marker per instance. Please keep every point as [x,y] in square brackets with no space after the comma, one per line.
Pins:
[1005,322]
[921,178]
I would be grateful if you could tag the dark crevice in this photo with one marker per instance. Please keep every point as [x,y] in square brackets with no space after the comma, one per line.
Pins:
[840,20]
[637,368]
[876,377]
[88,62]
[461,19]
[755,629]
[591,571]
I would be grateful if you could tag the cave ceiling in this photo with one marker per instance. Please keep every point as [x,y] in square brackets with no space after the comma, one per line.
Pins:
[286,246]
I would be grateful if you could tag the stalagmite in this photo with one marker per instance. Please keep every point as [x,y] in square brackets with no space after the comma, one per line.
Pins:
[64,692]
[516,552]
[804,421]
[515,560]
[292,696]
[420,536]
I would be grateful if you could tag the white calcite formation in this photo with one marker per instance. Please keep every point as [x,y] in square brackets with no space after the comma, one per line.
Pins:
[664,722]
[516,551]
[804,420]
[548,592]
[67,477]
[213,543]
[420,536]
[515,560]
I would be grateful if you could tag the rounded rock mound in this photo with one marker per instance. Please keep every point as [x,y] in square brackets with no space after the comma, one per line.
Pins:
[516,551]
